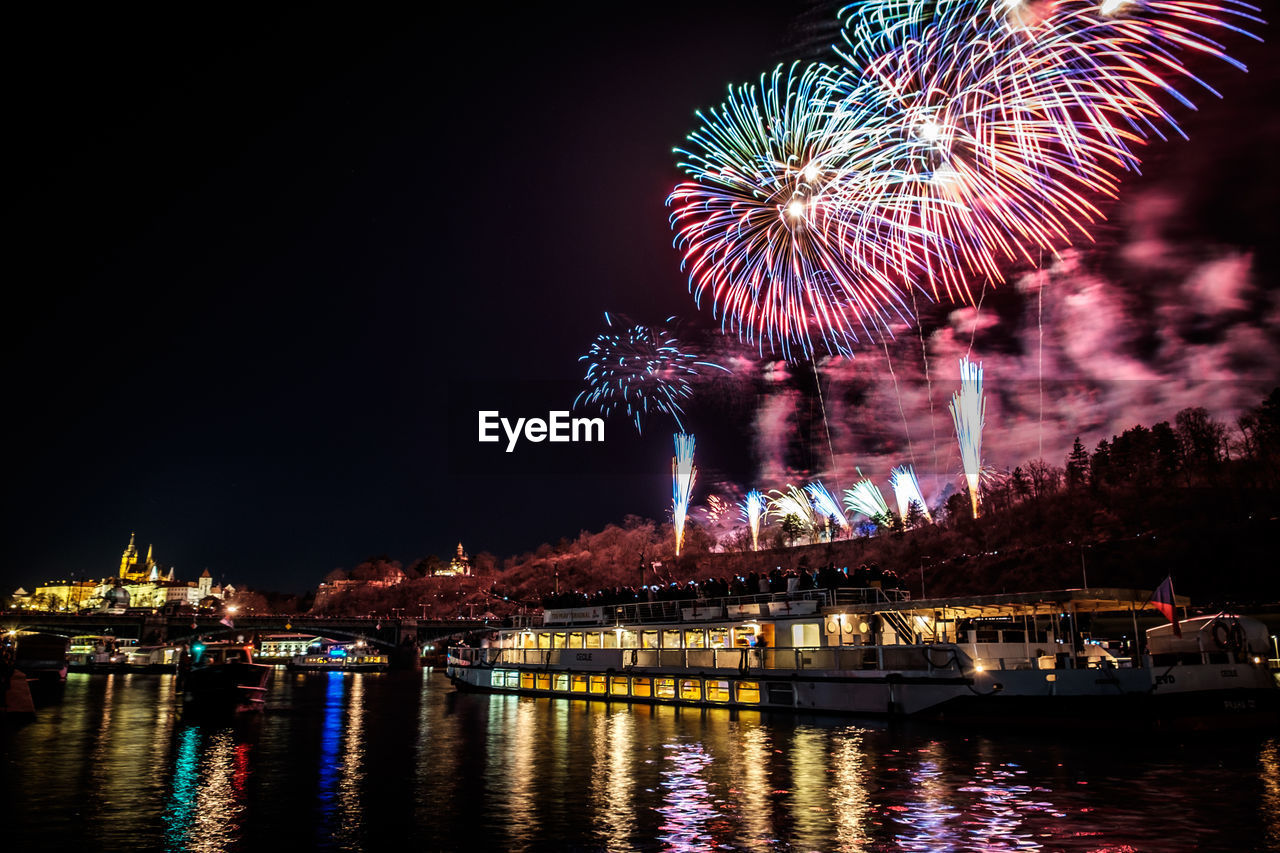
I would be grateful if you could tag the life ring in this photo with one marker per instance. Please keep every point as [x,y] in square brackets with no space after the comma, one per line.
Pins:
[1229,634]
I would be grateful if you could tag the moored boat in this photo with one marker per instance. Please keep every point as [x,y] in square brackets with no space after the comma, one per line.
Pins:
[1018,657]
[224,679]
[329,655]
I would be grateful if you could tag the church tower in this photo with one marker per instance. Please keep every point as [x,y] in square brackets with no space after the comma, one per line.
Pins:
[129,561]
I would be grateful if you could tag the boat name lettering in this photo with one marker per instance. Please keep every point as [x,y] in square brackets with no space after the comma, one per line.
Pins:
[1165,679]
[584,655]
[1229,673]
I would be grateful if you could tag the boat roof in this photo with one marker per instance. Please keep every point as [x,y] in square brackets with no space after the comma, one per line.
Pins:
[1096,600]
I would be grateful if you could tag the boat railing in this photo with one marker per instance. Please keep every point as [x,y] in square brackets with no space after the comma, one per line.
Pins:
[845,596]
[701,609]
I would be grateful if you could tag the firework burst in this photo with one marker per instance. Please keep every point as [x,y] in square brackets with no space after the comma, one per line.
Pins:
[639,369]
[753,507]
[793,503]
[906,491]
[969,413]
[825,506]
[762,234]
[683,475]
[866,499]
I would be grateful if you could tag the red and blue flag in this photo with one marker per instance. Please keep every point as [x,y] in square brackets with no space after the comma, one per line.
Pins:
[1162,598]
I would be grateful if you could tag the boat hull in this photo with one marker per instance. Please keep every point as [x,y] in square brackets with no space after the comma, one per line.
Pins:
[1083,698]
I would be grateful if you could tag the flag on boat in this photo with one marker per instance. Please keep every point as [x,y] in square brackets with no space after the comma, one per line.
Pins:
[1162,598]
[226,620]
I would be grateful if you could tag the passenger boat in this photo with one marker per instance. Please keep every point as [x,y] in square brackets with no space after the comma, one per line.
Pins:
[162,658]
[328,656]
[1019,657]
[224,678]
[98,653]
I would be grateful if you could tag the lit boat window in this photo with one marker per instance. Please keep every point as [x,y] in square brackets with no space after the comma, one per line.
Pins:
[671,638]
[599,684]
[695,638]
[579,684]
[749,692]
[561,682]
[544,680]
[526,680]
[620,686]
[664,688]
[717,691]
[691,689]
[642,687]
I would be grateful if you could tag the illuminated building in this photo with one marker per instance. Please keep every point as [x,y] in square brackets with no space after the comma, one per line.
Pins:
[459,565]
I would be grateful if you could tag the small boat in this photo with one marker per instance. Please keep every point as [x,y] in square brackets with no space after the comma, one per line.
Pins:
[98,653]
[1020,658]
[224,679]
[42,657]
[152,658]
[329,656]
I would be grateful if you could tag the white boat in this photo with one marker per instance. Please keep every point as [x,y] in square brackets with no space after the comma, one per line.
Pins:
[1020,657]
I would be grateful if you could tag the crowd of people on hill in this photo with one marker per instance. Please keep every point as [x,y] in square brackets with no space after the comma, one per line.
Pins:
[776,581]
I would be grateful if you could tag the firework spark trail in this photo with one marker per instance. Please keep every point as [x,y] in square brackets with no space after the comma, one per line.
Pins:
[866,499]
[906,491]
[793,502]
[969,413]
[966,136]
[753,507]
[683,474]
[824,505]
[757,224]
[639,369]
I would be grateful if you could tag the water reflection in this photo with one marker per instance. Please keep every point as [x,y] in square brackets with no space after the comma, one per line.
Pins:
[612,782]
[850,800]
[1269,767]
[383,762]
[687,805]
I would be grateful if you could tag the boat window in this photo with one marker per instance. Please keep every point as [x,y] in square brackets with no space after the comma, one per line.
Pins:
[579,684]
[649,640]
[719,638]
[560,640]
[744,636]
[749,692]
[620,687]
[717,691]
[529,641]
[526,680]
[642,686]
[695,638]
[671,638]
[630,639]
[544,640]
[599,684]
[691,689]
[593,640]
[805,635]
[664,688]
[609,640]
[543,681]
[575,640]
[560,681]
[513,679]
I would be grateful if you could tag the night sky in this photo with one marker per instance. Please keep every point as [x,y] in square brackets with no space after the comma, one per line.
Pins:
[267,262]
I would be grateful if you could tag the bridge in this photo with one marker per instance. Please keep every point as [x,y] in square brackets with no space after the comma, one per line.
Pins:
[156,628]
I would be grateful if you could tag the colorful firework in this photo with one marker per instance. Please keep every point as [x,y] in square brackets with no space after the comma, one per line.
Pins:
[757,225]
[639,370]
[906,491]
[824,505]
[968,135]
[793,503]
[969,412]
[683,474]
[716,508]
[865,499]
[752,509]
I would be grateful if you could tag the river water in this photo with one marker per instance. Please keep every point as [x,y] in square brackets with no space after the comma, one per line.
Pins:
[401,761]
